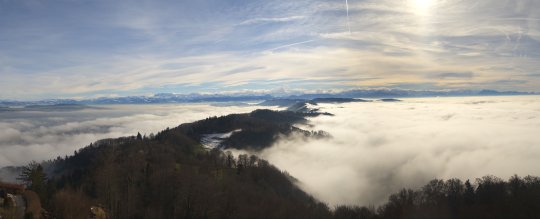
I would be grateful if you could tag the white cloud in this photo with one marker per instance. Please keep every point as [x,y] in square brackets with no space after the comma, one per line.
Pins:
[28,136]
[389,40]
[271,20]
[378,148]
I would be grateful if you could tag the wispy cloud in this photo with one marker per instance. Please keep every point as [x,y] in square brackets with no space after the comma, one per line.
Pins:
[348,20]
[447,75]
[271,20]
[289,45]
[70,49]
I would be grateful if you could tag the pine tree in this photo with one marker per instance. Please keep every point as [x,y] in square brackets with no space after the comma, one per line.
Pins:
[35,179]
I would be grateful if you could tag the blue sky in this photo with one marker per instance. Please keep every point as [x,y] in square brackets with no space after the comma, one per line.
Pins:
[92,48]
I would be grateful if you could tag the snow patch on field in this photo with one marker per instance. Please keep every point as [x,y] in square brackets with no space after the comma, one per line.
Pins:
[211,141]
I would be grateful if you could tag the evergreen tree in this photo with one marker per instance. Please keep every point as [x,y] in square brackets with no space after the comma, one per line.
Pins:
[35,179]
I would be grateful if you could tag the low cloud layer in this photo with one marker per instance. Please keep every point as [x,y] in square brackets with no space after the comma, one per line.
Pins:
[379,148]
[41,135]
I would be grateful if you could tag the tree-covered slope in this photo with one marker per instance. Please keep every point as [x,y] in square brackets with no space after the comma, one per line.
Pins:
[170,175]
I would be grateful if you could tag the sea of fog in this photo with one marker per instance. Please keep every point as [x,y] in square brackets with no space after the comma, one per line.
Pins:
[40,134]
[380,147]
[377,148]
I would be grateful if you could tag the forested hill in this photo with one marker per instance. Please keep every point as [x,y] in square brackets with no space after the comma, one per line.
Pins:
[170,174]
[255,130]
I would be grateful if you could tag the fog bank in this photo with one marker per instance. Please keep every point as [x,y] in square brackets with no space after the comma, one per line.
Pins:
[378,148]
[41,135]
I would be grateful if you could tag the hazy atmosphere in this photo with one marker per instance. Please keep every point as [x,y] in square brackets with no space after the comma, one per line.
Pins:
[242,109]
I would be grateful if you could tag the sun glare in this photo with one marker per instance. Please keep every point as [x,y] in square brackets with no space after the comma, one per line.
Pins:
[421,7]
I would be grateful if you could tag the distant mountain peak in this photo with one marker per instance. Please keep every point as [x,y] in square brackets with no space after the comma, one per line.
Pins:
[160,98]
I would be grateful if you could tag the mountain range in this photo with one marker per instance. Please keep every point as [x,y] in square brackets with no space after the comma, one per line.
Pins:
[163,98]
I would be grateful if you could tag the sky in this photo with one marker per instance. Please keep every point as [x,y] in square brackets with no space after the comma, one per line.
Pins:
[95,48]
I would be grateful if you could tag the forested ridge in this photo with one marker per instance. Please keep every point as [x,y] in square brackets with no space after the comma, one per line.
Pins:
[259,128]
[170,175]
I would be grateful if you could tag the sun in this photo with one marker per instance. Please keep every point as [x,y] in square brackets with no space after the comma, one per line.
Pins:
[422,7]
